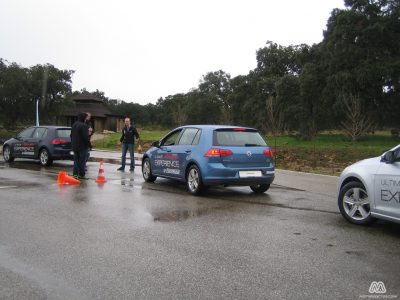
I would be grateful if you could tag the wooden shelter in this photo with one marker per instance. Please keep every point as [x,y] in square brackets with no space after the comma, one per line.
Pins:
[102,117]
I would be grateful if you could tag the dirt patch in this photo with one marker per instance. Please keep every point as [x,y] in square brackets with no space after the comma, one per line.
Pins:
[320,161]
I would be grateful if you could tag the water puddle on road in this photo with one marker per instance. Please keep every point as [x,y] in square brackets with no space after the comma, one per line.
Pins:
[181,215]
[7,183]
[125,182]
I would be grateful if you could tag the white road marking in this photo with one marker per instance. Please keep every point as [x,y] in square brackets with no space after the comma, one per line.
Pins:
[8,187]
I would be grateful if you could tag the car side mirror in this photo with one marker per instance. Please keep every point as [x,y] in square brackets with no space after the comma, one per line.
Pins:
[388,157]
[156,144]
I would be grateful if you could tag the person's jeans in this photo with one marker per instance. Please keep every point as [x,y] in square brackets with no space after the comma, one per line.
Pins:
[80,162]
[125,148]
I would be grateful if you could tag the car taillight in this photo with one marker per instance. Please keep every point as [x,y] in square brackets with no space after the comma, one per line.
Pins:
[58,142]
[218,152]
[268,152]
[239,129]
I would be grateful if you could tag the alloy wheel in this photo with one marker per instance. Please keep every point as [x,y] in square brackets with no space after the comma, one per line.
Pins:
[356,204]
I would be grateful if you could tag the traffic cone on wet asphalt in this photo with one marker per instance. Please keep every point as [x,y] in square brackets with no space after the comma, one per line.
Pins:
[63,178]
[101,177]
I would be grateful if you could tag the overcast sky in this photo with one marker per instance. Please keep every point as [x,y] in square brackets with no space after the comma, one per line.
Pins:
[139,51]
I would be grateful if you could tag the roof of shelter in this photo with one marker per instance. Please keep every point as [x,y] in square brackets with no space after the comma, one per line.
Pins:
[87,102]
[87,97]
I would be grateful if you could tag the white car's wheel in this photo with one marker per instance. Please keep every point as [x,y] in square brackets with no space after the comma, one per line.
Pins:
[354,203]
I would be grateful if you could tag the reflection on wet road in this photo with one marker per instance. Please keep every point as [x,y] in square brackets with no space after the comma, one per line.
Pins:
[127,239]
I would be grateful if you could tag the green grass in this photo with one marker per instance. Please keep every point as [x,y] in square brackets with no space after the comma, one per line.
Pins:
[335,141]
[327,153]
[110,142]
[6,134]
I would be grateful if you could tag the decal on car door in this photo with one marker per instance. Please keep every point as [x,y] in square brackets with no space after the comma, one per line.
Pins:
[168,163]
[24,149]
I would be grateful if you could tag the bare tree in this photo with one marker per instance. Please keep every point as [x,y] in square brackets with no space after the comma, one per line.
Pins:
[356,122]
[179,115]
[274,118]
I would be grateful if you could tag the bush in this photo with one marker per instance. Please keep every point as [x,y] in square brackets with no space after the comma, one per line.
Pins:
[395,133]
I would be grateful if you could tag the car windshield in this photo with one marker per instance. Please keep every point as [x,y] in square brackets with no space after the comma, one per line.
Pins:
[63,133]
[235,137]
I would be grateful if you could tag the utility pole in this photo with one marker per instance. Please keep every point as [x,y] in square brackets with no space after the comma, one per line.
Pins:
[37,111]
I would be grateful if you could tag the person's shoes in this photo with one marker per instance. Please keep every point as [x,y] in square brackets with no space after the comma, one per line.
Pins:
[121,169]
[132,169]
[83,178]
[75,176]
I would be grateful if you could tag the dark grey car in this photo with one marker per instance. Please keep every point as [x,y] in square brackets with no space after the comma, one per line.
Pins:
[45,143]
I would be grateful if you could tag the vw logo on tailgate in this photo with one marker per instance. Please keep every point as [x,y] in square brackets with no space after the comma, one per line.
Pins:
[248,153]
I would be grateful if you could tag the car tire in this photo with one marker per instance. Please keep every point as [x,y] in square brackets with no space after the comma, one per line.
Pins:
[44,157]
[354,204]
[7,154]
[194,181]
[146,171]
[260,188]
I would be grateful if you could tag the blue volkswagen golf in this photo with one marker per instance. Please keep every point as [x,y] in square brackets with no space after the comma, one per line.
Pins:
[46,143]
[208,155]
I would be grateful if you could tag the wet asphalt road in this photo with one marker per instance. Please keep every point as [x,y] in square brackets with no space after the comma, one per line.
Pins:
[131,240]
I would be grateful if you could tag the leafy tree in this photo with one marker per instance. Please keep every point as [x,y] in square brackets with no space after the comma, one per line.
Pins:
[216,86]
[362,49]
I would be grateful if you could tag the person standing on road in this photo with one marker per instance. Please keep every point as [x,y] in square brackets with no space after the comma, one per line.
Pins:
[91,132]
[80,145]
[129,133]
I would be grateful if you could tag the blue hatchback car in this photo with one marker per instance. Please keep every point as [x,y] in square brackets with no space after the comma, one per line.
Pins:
[46,143]
[208,155]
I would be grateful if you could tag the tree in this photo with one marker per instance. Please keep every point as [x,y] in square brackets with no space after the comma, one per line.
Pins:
[216,86]
[362,49]
[356,123]
[15,103]
[52,86]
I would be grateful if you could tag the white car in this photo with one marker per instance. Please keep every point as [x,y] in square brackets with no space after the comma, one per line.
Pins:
[370,189]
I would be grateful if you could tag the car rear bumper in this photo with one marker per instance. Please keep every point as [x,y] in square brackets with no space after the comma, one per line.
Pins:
[218,174]
[62,154]
[239,182]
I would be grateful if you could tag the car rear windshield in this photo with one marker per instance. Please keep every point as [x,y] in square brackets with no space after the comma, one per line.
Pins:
[63,133]
[238,137]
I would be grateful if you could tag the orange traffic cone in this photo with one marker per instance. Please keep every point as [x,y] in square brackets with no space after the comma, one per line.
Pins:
[63,178]
[100,177]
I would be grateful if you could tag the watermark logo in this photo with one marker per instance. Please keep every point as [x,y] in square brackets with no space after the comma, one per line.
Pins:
[377,287]
[377,290]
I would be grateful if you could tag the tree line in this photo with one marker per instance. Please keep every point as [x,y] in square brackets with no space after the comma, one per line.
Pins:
[349,81]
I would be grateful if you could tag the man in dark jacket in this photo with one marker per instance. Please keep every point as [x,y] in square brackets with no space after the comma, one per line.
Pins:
[80,145]
[129,133]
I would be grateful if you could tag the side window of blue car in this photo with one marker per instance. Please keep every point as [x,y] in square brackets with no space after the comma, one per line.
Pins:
[197,138]
[171,139]
[188,136]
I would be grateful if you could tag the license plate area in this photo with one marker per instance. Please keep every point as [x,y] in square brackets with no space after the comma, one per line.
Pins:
[247,174]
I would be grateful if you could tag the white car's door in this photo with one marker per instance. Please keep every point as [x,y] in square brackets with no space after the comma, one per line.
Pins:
[387,187]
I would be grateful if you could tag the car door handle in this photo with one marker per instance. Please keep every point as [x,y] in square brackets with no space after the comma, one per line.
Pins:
[188,151]
[168,150]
